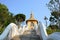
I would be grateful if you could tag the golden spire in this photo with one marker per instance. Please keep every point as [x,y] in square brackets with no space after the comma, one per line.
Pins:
[31,16]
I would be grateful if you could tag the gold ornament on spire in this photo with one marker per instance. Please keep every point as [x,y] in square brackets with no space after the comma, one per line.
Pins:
[31,18]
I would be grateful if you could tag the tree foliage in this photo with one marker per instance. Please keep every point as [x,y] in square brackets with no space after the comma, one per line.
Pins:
[5,17]
[52,28]
[54,7]
[20,17]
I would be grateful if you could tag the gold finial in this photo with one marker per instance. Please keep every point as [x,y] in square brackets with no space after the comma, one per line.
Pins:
[31,16]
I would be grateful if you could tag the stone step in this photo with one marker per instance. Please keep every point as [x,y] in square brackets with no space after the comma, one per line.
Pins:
[29,37]
[32,32]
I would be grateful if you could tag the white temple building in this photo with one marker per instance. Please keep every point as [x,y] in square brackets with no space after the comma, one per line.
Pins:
[31,22]
[33,30]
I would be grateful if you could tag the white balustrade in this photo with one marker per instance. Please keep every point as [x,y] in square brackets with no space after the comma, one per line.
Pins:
[6,32]
[45,36]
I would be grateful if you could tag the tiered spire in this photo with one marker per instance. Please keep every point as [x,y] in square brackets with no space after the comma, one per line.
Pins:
[31,18]
[31,15]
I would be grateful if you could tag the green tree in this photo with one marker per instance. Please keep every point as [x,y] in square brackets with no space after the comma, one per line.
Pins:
[20,18]
[5,17]
[54,6]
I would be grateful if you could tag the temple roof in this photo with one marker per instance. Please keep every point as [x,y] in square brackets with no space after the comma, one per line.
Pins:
[31,17]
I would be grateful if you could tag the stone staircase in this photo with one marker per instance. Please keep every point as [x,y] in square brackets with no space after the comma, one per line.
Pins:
[28,35]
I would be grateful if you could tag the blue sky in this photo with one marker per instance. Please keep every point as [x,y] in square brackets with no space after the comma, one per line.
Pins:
[38,7]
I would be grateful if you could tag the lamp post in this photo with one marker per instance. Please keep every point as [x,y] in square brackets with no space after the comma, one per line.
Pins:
[45,18]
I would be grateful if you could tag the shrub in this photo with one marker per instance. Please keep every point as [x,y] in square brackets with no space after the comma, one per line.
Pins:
[52,29]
